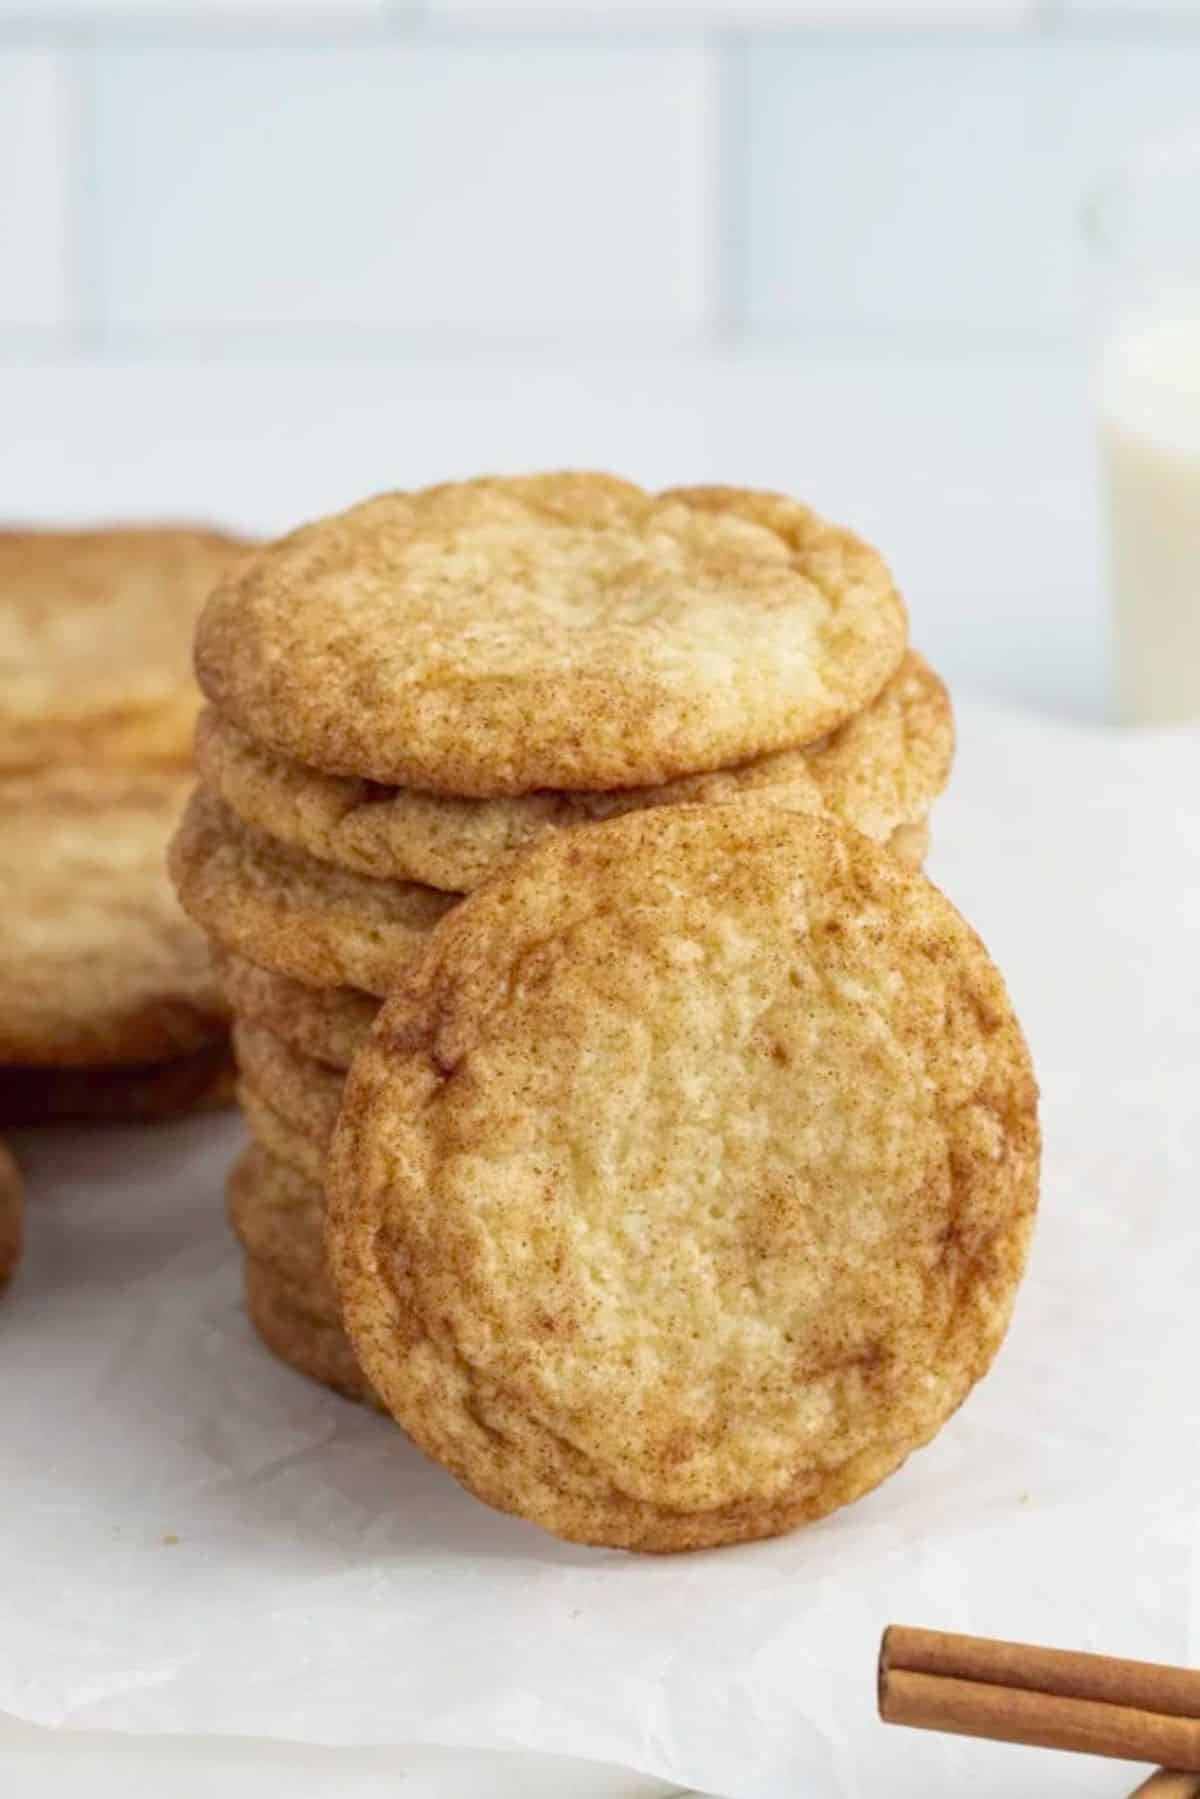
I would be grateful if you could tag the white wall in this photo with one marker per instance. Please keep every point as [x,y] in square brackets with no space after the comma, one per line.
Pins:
[259,260]
[364,178]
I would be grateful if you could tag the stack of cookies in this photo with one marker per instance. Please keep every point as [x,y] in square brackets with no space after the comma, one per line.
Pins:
[406,697]
[108,1008]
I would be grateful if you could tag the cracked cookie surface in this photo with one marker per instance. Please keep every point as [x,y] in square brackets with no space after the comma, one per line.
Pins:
[684,1184]
[509,634]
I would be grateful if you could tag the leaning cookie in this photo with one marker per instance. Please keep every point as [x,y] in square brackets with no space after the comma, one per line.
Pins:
[95,643]
[684,1184]
[288,912]
[880,772]
[563,631]
[12,1215]
[100,966]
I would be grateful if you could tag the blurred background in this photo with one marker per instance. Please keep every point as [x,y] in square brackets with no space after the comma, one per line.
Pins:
[257,261]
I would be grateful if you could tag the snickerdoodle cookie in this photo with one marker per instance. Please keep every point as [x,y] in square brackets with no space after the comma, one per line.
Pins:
[684,1184]
[100,966]
[12,1215]
[313,1346]
[283,1139]
[288,912]
[122,1093]
[278,1218]
[305,1092]
[95,643]
[564,631]
[328,1023]
[879,771]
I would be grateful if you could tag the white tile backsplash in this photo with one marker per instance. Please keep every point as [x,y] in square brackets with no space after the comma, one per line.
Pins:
[272,178]
[34,148]
[499,187]
[936,188]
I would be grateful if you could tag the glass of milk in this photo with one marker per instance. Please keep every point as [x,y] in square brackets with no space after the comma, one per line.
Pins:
[1144,227]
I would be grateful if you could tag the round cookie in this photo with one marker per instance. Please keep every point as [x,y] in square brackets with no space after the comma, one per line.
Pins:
[278,1218]
[880,771]
[100,966]
[12,1216]
[312,1346]
[305,1093]
[684,1184]
[290,913]
[128,1093]
[283,1140]
[95,643]
[550,631]
[327,1023]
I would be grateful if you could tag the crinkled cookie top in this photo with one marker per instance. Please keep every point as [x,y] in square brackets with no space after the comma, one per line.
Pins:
[567,631]
[684,1182]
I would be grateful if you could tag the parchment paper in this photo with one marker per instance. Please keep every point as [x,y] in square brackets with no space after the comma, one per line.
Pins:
[196,1540]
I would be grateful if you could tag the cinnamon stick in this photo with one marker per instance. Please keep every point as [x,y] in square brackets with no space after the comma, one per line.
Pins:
[1046,1698]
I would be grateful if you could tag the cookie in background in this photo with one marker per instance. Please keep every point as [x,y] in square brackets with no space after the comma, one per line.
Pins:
[96,643]
[108,1006]
[12,1216]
